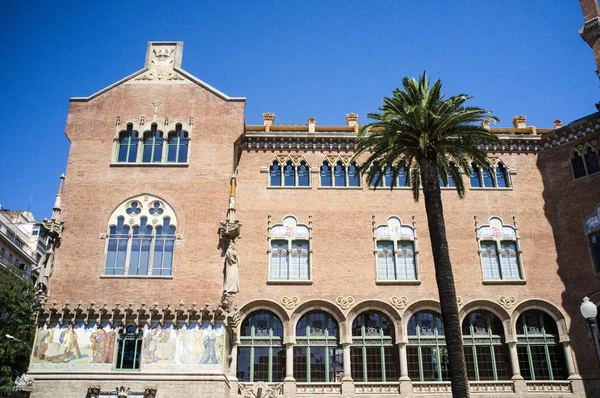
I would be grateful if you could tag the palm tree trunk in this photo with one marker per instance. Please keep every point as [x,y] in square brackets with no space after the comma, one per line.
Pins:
[444,278]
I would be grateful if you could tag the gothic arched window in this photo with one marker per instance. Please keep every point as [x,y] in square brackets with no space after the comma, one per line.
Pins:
[275,174]
[486,353]
[177,145]
[339,174]
[325,174]
[141,238]
[128,145]
[502,176]
[152,146]
[303,174]
[499,251]
[591,160]
[374,356]
[261,354]
[541,356]
[475,176]
[395,252]
[353,175]
[426,351]
[577,165]
[289,174]
[592,228]
[317,353]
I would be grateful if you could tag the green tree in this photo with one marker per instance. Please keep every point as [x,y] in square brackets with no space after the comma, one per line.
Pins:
[17,319]
[435,138]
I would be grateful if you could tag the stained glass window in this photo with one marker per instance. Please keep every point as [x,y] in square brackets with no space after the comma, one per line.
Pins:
[289,251]
[486,352]
[499,251]
[261,354]
[395,251]
[177,146]
[541,356]
[373,353]
[426,350]
[128,145]
[153,145]
[317,354]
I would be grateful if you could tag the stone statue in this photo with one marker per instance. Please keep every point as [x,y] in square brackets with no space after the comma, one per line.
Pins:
[232,266]
[44,268]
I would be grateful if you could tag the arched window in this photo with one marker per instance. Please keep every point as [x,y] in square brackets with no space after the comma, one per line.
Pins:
[426,352]
[499,251]
[303,174]
[403,178]
[592,228]
[177,146]
[475,176]
[275,174]
[339,174]
[541,356]
[577,165]
[451,183]
[261,354]
[317,354]
[128,145]
[591,160]
[141,238]
[374,357]
[388,177]
[289,254]
[353,175]
[487,177]
[486,353]
[325,174]
[153,146]
[502,176]
[289,174]
[129,348]
[395,251]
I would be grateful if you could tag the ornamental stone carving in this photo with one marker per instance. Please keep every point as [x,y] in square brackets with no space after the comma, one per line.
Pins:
[344,302]
[23,383]
[93,391]
[123,391]
[290,302]
[459,300]
[507,301]
[399,302]
[260,390]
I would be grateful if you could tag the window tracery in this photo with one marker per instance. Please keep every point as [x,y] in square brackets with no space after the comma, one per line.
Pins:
[584,160]
[289,172]
[141,238]
[339,172]
[289,250]
[395,251]
[387,179]
[499,251]
[495,175]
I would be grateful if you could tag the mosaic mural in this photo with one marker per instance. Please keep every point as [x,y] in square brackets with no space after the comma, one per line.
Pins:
[74,347]
[83,347]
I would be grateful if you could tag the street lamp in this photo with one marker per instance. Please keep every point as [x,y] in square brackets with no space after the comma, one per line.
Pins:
[589,312]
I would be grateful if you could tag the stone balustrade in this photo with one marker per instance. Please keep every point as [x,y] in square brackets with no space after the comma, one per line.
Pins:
[319,388]
[377,388]
[549,386]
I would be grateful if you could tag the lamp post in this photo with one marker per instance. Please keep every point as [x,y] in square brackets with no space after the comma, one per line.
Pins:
[589,312]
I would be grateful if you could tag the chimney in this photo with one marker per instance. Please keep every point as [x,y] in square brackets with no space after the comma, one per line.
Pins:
[557,123]
[590,31]
[352,121]
[485,124]
[520,122]
[268,119]
[311,124]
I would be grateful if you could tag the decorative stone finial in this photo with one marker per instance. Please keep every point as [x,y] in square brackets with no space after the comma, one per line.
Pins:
[485,124]
[557,123]
[311,124]
[519,121]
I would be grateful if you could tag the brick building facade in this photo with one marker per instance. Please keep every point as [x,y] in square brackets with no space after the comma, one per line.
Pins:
[335,293]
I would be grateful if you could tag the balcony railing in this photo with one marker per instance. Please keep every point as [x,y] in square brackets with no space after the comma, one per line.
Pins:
[548,386]
[376,388]
[319,388]
[475,387]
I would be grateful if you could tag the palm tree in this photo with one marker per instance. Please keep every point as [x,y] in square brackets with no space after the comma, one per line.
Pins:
[436,138]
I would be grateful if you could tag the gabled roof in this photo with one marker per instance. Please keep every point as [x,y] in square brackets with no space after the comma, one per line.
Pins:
[163,65]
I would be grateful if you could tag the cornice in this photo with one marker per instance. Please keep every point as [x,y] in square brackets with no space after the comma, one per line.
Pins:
[579,129]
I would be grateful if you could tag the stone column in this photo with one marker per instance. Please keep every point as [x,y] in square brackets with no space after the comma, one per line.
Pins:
[347,382]
[514,361]
[403,363]
[569,359]
[233,363]
[289,383]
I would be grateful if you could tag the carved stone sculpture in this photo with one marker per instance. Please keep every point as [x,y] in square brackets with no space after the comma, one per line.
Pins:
[232,266]
[260,390]
[23,383]
[93,391]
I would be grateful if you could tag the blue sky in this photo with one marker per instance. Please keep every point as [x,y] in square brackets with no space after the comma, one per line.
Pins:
[298,59]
